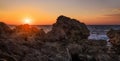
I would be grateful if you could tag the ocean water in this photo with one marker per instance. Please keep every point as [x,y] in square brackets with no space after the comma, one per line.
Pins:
[97,32]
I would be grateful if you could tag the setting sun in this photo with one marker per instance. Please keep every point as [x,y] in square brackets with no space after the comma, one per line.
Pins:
[27,21]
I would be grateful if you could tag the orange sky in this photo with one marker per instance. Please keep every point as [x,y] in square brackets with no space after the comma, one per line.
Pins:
[45,12]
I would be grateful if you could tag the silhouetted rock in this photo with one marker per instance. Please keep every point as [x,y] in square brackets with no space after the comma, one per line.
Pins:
[4,30]
[69,36]
[28,32]
[67,28]
[26,28]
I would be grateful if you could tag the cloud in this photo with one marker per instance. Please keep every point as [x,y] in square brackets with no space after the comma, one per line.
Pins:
[113,15]
[112,18]
[116,10]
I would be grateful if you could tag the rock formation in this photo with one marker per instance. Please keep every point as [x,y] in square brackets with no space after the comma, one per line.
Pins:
[26,28]
[4,30]
[28,32]
[67,28]
[67,41]
[114,36]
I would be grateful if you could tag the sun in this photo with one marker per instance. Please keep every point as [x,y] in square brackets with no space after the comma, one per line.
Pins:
[27,20]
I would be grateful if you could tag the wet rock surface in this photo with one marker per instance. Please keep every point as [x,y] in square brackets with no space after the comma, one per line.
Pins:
[67,41]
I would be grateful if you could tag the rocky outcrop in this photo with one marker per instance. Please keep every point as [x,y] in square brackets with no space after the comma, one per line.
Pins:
[69,43]
[4,30]
[67,28]
[28,32]
[26,28]
[114,36]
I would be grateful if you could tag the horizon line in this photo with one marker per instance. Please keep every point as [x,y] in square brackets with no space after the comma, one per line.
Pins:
[52,24]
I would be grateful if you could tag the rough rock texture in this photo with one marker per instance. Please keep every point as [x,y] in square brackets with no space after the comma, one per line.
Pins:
[4,30]
[114,36]
[27,29]
[27,32]
[67,41]
[67,28]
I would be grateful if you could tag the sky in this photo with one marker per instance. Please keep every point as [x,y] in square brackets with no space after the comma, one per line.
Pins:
[45,12]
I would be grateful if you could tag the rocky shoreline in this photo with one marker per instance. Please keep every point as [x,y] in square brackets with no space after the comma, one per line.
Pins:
[67,41]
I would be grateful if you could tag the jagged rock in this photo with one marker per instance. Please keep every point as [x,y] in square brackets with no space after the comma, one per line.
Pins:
[67,28]
[26,28]
[114,36]
[4,30]
[77,47]
[28,32]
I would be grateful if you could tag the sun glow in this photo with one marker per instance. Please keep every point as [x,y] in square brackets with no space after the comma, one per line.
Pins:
[27,20]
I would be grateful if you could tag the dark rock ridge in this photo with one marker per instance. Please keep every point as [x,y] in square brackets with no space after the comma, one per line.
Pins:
[67,28]
[28,29]
[4,30]
[28,32]
[67,41]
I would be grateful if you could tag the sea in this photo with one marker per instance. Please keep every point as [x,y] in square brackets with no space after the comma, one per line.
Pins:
[99,32]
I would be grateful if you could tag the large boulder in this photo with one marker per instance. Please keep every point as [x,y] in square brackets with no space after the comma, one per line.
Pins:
[67,28]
